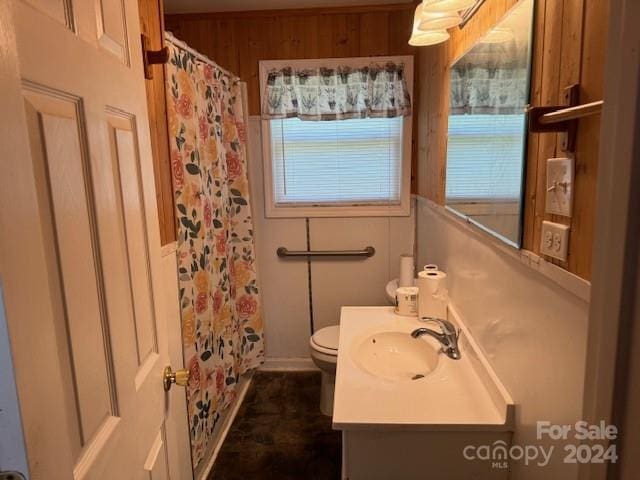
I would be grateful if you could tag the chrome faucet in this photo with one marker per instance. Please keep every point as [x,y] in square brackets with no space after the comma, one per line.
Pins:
[448,336]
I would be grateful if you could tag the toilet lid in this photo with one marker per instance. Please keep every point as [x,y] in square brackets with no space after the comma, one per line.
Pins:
[327,337]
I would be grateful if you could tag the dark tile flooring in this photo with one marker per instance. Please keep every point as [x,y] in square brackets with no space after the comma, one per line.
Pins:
[279,433]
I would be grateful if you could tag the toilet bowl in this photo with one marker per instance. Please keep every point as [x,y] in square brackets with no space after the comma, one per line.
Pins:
[324,353]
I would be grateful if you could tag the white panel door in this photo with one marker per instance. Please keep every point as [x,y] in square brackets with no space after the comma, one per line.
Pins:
[79,242]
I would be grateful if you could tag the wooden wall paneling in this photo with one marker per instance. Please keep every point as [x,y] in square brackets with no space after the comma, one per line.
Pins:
[225,53]
[259,43]
[272,40]
[346,35]
[374,34]
[400,27]
[237,41]
[549,95]
[569,67]
[287,37]
[325,36]
[432,133]
[310,41]
[594,35]
[580,60]
[151,23]
[421,113]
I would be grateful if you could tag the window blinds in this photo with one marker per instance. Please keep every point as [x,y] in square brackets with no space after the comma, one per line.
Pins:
[485,157]
[346,162]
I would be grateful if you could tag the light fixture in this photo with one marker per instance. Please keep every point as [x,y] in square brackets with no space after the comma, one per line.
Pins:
[438,21]
[498,35]
[421,38]
[432,37]
[441,6]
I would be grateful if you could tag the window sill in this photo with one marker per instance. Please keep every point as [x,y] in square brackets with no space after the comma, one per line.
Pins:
[402,210]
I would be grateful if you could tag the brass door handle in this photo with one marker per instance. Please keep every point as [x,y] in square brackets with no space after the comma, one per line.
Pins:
[179,377]
[11,476]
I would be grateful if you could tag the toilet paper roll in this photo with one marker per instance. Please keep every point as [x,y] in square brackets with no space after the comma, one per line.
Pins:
[433,295]
[406,271]
[431,266]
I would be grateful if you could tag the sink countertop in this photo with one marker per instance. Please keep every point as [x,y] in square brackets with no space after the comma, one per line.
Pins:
[459,395]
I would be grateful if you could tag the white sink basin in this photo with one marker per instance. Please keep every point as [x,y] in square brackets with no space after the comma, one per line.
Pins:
[395,356]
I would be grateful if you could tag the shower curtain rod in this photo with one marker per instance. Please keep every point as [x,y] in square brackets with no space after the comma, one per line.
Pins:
[179,43]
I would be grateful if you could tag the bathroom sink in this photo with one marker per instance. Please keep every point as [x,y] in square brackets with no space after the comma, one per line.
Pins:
[396,356]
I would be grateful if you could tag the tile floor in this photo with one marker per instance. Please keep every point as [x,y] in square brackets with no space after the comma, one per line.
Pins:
[279,433]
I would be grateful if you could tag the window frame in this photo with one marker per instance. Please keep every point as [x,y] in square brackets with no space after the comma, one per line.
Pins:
[368,209]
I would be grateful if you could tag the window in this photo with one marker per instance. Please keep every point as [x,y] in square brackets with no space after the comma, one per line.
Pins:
[489,146]
[323,168]
[337,162]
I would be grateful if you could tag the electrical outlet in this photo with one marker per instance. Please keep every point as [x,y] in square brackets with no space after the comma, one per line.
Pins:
[559,198]
[555,240]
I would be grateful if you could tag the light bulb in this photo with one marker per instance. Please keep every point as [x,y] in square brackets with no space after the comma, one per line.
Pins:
[441,6]
[421,38]
[432,37]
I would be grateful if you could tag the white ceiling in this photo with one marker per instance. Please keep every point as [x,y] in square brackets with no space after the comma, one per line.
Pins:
[198,6]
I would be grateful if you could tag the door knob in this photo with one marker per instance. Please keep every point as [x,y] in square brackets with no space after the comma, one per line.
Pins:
[179,377]
[11,476]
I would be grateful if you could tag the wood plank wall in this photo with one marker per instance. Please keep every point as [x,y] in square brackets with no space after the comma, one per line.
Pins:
[569,47]
[151,24]
[237,41]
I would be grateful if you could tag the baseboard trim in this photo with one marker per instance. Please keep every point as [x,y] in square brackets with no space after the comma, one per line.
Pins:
[225,426]
[288,364]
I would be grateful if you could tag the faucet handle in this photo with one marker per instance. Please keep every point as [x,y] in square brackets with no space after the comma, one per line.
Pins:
[445,326]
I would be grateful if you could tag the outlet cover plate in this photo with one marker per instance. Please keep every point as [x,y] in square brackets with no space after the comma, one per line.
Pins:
[554,241]
[559,199]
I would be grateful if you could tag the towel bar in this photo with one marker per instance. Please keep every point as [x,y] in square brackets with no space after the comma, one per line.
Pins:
[571,113]
[563,118]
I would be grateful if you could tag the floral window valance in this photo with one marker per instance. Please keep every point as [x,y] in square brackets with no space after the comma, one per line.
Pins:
[337,93]
[491,79]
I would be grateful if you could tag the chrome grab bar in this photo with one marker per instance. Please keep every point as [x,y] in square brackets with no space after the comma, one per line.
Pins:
[367,252]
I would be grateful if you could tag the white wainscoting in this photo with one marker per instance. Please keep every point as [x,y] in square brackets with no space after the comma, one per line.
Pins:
[335,282]
[531,328]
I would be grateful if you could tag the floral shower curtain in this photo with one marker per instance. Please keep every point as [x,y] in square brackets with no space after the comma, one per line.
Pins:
[220,305]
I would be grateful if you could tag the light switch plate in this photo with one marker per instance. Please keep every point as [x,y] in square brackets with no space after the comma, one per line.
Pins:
[559,199]
[554,241]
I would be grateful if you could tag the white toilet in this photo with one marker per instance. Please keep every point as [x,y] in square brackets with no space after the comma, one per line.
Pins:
[324,352]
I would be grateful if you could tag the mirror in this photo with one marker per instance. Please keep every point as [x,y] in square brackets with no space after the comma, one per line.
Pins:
[487,132]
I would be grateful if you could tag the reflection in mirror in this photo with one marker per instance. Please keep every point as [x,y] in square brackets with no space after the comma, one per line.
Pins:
[486,145]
